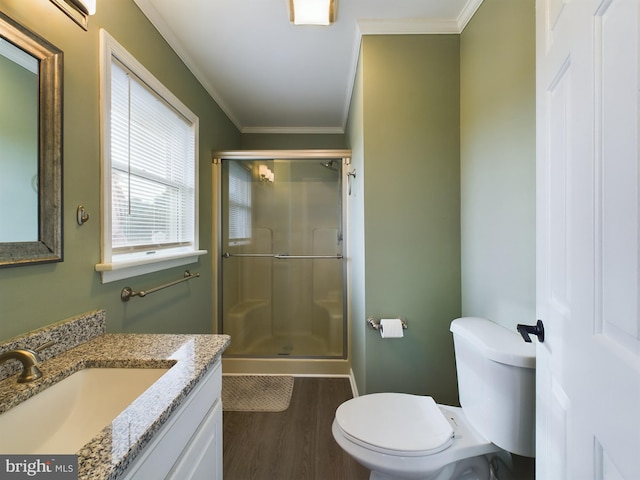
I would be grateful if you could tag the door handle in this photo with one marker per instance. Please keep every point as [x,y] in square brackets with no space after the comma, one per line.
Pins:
[526,330]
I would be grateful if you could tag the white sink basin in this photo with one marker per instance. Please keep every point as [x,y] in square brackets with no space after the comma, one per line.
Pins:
[67,415]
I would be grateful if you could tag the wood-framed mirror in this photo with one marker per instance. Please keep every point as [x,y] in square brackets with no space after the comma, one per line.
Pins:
[30,147]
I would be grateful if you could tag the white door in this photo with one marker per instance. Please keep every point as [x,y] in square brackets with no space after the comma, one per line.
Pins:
[588,368]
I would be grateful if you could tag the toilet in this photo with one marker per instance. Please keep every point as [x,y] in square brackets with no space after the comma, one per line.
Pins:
[404,436]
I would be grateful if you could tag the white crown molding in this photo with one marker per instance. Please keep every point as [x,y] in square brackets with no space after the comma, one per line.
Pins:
[167,33]
[467,13]
[353,71]
[298,130]
[420,26]
[432,26]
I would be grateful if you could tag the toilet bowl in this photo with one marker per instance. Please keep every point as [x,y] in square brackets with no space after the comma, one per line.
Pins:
[403,436]
[411,437]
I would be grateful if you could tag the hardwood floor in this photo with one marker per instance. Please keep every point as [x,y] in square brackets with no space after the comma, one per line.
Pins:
[296,444]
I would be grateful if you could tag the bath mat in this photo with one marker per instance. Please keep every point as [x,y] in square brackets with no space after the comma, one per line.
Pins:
[256,393]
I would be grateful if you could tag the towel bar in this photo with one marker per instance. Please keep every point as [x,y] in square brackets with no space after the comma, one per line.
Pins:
[128,292]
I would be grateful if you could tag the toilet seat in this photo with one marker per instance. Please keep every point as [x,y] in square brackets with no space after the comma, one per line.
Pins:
[395,424]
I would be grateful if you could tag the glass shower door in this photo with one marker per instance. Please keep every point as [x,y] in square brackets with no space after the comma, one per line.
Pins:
[282,269]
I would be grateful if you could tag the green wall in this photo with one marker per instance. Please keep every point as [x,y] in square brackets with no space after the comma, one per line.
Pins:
[34,296]
[497,91]
[355,234]
[292,141]
[411,203]
[443,136]
[433,119]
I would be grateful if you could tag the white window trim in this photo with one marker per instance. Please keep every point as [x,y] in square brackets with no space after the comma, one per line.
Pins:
[132,266]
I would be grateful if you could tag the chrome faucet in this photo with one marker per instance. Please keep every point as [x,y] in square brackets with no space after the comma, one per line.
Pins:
[29,359]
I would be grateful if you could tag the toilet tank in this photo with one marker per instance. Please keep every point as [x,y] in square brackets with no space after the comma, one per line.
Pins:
[496,382]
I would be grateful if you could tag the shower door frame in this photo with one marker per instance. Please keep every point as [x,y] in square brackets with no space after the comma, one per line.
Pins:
[333,364]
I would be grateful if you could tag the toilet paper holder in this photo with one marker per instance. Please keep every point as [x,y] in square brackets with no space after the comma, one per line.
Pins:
[375,323]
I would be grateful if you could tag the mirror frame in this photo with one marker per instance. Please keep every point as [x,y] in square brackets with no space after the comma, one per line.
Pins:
[48,247]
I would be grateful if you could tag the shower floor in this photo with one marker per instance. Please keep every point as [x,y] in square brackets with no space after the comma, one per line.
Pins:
[302,345]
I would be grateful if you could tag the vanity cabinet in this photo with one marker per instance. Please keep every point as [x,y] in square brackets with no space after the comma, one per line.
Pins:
[189,444]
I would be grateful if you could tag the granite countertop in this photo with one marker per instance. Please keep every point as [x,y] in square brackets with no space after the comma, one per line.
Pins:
[108,454]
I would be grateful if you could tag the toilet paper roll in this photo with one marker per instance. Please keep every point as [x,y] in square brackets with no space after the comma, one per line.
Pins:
[391,328]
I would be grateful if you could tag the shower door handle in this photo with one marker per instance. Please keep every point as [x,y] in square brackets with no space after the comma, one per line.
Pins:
[303,257]
[281,256]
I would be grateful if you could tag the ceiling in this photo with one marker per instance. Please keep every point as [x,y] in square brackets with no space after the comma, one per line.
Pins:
[270,76]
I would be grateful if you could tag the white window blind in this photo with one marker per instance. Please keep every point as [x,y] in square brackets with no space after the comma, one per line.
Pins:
[239,204]
[152,168]
[149,170]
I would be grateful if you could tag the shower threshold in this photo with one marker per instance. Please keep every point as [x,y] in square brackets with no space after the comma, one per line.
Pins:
[286,365]
[300,346]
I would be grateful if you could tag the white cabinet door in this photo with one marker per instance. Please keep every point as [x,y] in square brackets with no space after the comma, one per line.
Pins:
[202,459]
[588,368]
[192,434]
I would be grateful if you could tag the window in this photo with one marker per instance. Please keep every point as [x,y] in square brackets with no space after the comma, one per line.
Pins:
[239,204]
[149,168]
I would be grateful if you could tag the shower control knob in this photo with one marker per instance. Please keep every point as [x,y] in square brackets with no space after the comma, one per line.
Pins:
[537,330]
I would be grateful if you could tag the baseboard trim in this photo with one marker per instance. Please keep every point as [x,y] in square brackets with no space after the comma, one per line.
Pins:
[354,385]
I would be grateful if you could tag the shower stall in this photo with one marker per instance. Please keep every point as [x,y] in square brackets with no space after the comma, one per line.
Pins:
[281,268]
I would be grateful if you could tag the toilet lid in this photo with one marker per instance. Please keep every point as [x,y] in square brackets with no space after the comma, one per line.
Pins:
[395,422]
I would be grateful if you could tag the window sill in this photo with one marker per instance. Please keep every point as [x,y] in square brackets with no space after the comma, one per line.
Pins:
[112,272]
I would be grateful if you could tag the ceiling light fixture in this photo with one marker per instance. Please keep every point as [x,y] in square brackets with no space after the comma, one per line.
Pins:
[312,12]
[265,173]
[77,10]
[87,6]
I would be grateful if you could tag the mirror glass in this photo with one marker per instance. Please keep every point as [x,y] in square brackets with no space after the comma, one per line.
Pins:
[30,147]
[18,144]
